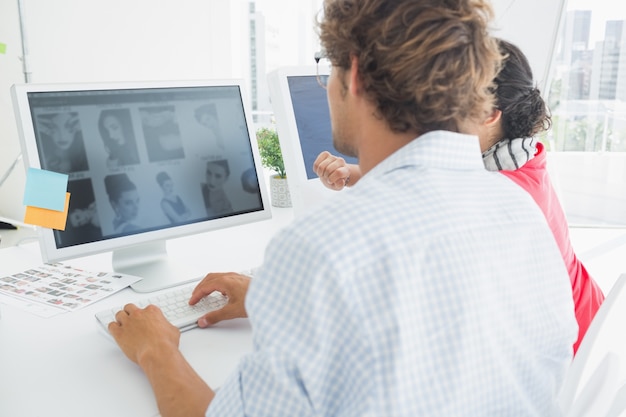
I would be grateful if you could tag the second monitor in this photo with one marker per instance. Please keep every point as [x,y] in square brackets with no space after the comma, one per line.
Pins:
[300,106]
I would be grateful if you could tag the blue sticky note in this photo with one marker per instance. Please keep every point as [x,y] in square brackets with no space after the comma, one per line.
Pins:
[45,189]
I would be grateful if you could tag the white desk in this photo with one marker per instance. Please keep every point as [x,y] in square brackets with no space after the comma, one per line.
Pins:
[67,366]
[22,235]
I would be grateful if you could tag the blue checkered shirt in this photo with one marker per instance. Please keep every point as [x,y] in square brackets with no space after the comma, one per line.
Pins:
[430,288]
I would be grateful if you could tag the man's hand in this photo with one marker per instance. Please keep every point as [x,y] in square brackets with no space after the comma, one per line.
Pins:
[332,170]
[144,332]
[232,285]
[148,339]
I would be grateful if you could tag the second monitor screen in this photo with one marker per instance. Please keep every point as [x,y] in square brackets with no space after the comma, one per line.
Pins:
[310,108]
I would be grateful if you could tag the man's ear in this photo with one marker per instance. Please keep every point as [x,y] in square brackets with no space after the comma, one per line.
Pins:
[355,80]
[494,117]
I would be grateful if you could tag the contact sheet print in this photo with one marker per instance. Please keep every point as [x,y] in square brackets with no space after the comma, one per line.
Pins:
[63,286]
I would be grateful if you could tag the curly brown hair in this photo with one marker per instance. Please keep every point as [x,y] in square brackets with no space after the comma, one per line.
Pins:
[426,65]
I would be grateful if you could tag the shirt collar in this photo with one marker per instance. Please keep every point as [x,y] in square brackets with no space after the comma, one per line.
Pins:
[438,149]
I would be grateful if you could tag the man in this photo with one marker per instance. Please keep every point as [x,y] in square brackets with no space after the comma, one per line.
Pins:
[400,296]
[509,145]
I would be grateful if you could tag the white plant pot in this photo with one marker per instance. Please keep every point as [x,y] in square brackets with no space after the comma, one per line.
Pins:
[279,190]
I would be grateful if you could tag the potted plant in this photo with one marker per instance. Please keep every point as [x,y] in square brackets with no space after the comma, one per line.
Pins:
[272,158]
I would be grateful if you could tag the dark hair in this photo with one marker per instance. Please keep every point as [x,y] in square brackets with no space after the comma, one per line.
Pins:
[162,177]
[426,64]
[223,163]
[116,184]
[524,112]
[104,132]
[75,155]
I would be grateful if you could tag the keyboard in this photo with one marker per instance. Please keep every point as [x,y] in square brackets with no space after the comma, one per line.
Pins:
[174,303]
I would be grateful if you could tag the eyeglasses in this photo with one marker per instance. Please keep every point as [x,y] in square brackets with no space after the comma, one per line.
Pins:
[322,79]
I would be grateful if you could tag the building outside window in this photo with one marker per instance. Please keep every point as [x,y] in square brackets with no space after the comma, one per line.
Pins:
[587,98]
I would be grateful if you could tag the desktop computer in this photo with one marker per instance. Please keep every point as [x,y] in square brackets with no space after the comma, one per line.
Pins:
[302,117]
[146,162]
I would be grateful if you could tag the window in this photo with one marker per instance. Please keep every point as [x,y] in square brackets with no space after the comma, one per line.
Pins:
[587,98]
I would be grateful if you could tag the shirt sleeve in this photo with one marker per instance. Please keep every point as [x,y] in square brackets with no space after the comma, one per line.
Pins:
[307,351]
[245,392]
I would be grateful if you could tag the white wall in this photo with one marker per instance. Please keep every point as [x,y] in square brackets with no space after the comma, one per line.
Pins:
[103,40]
[10,72]
[77,40]
[532,25]
[111,40]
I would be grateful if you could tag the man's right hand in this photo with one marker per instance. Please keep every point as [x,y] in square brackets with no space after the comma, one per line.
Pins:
[332,170]
[230,284]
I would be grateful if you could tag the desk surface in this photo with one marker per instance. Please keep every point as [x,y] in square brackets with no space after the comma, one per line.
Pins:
[67,366]
[16,237]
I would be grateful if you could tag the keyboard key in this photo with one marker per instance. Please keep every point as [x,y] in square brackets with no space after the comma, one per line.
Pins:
[174,303]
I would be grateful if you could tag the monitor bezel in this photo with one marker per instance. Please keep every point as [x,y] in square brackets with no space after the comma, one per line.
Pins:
[306,194]
[49,250]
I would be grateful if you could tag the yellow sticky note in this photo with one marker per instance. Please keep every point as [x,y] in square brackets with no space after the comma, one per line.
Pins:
[3,48]
[48,218]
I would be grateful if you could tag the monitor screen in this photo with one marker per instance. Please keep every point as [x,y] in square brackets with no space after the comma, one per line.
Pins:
[303,124]
[146,162]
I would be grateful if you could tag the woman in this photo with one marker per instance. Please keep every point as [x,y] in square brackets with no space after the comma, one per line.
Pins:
[124,199]
[116,132]
[62,142]
[509,145]
[216,201]
[206,115]
[172,205]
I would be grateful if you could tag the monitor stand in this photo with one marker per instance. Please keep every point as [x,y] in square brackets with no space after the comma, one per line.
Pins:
[151,262]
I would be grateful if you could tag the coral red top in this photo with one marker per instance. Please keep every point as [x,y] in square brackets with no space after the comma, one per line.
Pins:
[533,177]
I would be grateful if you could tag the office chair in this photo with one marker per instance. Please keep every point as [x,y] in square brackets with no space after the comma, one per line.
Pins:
[595,384]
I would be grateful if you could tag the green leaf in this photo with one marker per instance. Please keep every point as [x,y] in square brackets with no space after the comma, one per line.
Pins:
[269,150]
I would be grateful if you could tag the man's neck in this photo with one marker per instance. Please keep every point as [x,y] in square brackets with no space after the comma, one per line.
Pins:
[378,145]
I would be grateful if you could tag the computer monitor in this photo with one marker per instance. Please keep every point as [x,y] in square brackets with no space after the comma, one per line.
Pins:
[303,124]
[147,162]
